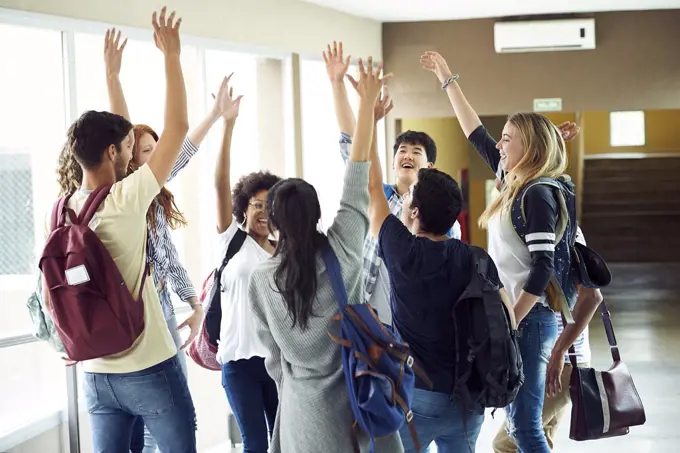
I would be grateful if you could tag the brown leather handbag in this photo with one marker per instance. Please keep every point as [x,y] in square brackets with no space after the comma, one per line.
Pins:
[604,403]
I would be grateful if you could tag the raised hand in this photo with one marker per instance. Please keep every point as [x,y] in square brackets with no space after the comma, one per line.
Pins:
[370,83]
[569,130]
[336,64]
[227,104]
[166,32]
[434,62]
[383,105]
[113,51]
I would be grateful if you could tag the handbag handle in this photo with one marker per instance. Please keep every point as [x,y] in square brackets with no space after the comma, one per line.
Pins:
[611,337]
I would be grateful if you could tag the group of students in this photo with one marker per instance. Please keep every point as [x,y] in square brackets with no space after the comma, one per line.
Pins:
[397,245]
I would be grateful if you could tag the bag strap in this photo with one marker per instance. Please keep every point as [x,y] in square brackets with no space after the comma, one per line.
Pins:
[92,203]
[335,275]
[59,213]
[389,191]
[232,249]
[611,337]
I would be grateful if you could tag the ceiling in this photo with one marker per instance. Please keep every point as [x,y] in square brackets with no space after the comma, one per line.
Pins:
[422,10]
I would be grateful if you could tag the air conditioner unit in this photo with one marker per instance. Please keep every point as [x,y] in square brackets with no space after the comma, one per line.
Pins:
[544,35]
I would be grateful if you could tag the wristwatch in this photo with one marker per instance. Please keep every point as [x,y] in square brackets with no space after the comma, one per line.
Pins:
[450,80]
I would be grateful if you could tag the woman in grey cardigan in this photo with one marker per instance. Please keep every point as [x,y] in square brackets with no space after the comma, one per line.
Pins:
[293,302]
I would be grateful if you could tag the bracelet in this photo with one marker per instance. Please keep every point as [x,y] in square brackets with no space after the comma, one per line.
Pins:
[450,80]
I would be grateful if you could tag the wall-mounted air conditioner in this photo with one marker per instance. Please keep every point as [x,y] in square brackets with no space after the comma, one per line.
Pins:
[544,35]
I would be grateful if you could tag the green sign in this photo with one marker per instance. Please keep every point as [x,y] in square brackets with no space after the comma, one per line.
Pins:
[548,105]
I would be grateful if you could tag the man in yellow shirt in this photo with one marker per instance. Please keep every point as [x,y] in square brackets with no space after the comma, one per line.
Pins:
[146,380]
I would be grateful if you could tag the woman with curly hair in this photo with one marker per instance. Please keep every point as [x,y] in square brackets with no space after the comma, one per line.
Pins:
[241,216]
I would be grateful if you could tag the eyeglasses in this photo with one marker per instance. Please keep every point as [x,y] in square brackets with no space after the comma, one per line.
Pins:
[257,205]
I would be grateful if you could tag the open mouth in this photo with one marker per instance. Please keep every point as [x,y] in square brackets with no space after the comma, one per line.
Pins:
[407,165]
[263,222]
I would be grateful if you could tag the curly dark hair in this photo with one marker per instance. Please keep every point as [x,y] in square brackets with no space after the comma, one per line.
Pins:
[246,188]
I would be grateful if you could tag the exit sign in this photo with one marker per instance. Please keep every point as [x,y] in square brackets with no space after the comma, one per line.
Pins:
[548,105]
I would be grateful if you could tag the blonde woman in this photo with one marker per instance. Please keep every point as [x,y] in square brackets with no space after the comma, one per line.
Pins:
[531,227]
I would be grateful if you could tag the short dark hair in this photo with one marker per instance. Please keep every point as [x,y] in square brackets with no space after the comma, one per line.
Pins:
[416,138]
[246,188]
[92,134]
[438,199]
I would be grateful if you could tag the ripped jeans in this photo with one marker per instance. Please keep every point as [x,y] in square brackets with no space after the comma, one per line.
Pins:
[537,335]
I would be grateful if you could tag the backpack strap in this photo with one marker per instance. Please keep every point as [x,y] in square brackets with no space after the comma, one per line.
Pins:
[335,275]
[232,249]
[389,190]
[92,203]
[59,212]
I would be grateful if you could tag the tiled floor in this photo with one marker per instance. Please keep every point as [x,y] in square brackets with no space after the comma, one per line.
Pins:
[645,304]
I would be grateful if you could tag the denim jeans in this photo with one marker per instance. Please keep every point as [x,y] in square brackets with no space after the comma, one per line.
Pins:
[142,440]
[537,335]
[159,395]
[253,399]
[439,418]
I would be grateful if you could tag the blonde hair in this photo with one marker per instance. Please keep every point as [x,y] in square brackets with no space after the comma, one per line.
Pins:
[545,155]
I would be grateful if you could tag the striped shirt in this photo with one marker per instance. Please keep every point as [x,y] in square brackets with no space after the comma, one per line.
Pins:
[164,256]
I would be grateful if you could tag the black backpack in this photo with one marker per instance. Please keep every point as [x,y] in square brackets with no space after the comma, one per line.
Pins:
[488,362]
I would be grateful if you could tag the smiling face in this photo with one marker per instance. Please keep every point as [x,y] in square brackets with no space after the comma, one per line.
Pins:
[510,147]
[408,159]
[257,223]
[145,146]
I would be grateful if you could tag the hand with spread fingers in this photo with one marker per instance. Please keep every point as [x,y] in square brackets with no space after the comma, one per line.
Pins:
[336,63]
[113,51]
[434,62]
[228,105]
[569,130]
[370,83]
[383,105]
[166,32]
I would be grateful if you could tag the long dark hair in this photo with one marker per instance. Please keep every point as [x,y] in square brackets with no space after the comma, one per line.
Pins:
[293,209]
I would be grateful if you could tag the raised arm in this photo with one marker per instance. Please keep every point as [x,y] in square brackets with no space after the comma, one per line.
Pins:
[230,109]
[469,121]
[368,87]
[378,209]
[197,135]
[336,67]
[113,56]
[176,125]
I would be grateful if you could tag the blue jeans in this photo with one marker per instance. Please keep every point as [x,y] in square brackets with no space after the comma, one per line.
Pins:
[439,418]
[142,440]
[253,399]
[159,395]
[537,335]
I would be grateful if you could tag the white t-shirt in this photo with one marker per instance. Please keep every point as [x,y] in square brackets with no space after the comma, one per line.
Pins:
[511,255]
[237,330]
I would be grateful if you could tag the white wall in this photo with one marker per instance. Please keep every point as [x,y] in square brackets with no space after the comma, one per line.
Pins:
[282,25]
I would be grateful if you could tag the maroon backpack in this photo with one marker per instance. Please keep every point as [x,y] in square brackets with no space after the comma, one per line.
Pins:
[93,311]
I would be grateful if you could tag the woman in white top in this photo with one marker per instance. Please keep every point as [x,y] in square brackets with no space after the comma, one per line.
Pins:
[251,392]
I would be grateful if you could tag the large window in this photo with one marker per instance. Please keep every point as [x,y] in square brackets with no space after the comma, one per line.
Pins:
[627,128]
[33,123]
[322,164]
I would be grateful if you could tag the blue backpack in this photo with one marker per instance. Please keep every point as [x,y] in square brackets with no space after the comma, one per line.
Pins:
[379,369]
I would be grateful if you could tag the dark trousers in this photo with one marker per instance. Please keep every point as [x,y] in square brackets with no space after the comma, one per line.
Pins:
[253,399]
